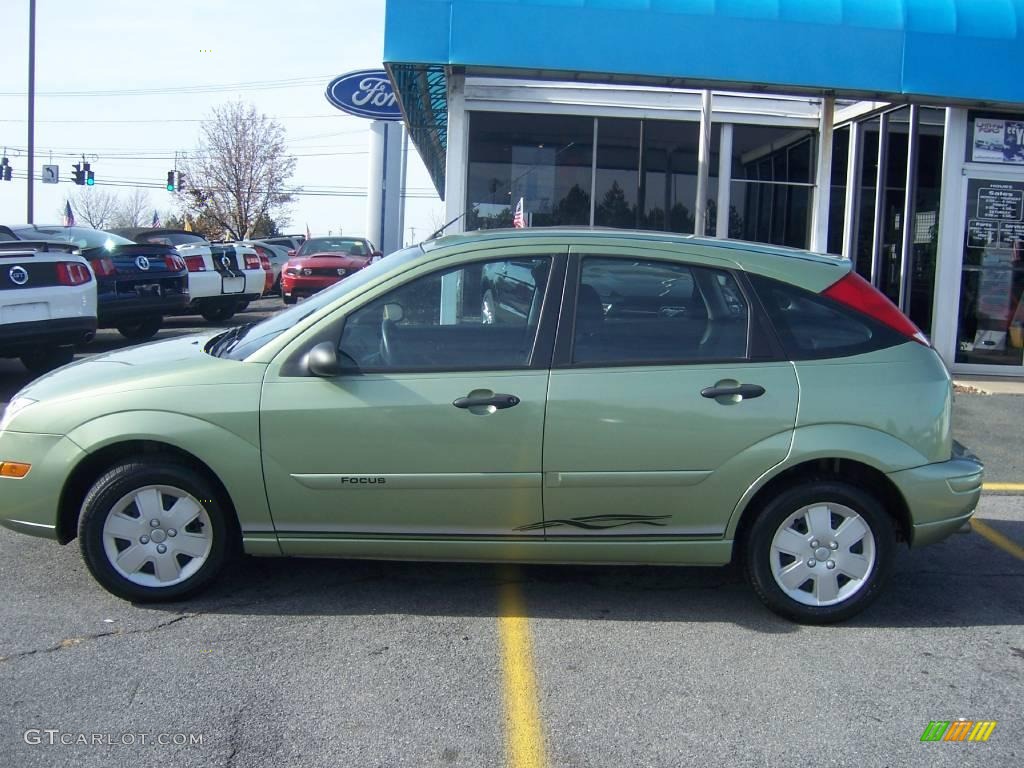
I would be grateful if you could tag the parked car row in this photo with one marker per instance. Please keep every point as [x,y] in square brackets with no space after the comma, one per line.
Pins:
[59,284]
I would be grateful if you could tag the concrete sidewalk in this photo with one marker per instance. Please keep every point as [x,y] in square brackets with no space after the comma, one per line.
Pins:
[989,385]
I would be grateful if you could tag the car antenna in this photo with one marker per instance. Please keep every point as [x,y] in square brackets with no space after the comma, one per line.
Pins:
[438,233]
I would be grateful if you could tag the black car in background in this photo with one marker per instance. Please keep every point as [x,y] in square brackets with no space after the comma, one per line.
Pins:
[136,284]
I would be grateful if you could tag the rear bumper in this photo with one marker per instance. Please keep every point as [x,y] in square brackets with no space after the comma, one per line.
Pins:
[941,497]
[116,310]
[63,331]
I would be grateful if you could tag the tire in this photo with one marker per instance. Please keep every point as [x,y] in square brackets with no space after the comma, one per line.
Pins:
[487,308]
[121,545]
[276,288]
[44,360]
[242,306]
[289,299]
[220,311]
[778,551]
[141,330]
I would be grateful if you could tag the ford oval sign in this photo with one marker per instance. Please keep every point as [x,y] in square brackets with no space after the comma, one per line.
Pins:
[366,93]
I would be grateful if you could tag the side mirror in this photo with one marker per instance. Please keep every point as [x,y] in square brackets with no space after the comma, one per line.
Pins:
[376,256]
[322,360]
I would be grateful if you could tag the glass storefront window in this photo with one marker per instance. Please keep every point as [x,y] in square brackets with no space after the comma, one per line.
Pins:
[837,198]
[863,246]
[931,131]
[670,174]
[543,159]
[773,184]
[893,200]
[618,174]
[991,324]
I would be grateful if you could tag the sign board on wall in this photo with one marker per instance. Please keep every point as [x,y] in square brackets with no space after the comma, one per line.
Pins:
[365,93]
[998,141]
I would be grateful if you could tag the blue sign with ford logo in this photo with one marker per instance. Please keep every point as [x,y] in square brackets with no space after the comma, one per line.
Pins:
[366,93]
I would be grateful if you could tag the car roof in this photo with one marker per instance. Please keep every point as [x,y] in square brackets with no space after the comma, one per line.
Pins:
[807,269]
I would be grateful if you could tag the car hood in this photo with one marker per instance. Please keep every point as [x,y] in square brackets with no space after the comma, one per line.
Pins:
[344,261]
[158,365]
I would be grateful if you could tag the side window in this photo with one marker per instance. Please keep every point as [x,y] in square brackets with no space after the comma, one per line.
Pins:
[477,316]
[812,326]
[646,311]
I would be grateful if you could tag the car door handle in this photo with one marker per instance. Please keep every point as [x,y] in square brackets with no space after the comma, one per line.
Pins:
[744,391]
[496,400]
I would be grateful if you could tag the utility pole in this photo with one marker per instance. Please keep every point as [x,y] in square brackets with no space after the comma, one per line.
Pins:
[31,102]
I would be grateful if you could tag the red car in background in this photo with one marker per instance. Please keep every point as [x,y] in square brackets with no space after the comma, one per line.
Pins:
[323,261]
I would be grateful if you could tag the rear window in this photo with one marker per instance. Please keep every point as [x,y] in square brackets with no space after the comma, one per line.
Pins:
[811,326]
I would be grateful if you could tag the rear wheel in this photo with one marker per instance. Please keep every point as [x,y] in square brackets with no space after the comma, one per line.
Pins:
[820,552]
[46,359]
[218,312]
[154,529]
[142,329]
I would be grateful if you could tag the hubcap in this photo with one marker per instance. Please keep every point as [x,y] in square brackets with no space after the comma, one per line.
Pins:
[822,534]
[157,536]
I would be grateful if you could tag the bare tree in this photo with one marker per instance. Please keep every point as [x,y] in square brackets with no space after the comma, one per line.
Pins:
[238,174]
[95,207]
[135,210]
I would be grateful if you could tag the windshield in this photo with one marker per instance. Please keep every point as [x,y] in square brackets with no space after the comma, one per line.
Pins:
[349,245]
[80,236]
[240,342]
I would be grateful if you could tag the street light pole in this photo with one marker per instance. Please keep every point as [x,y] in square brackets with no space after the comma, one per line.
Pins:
[31,102]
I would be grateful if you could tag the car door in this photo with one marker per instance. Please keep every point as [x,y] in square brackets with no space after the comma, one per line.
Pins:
[664,403]
[434,431]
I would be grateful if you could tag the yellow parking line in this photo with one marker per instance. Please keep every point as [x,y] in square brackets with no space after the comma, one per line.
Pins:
[524,738]
[997,538]
[1003,487]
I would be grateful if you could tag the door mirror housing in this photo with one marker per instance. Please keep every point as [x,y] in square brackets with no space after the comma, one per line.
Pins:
[322,360]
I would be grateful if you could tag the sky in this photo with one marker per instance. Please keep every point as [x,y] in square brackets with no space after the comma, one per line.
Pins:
[278,56]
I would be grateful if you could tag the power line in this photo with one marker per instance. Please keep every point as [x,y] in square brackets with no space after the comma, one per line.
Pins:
[179,119]
[252,85]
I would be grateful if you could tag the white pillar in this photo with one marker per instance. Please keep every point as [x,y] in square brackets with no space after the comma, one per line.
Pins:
[823,178]
[456,166]
[703,161]
[949,253]
[375,184]
[391,224]
[724,181]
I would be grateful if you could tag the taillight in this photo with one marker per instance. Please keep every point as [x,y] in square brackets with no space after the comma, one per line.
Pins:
[195,264]
[252,261]
[103,267]
[265,262]
[174,263]
[72,273]
[857,293]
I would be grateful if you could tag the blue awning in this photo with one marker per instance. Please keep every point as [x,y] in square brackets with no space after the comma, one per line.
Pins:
[935,51]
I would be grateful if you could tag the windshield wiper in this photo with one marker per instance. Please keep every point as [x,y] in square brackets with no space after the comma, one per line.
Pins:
[227,341]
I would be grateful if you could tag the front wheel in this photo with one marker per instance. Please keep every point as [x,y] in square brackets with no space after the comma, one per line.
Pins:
[820,552]
[153,529]
[141,330]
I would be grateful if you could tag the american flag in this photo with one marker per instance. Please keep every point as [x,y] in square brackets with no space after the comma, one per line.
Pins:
[519,219]
[69,215]
[156,220]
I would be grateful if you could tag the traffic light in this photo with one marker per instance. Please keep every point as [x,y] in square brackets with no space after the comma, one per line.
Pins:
[90,178]
[181,181]
[79,175]
[5,170]
[170,181]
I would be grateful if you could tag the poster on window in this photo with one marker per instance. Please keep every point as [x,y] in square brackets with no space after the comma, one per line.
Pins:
[998,141]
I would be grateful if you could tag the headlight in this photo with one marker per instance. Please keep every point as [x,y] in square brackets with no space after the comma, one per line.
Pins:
[16,406]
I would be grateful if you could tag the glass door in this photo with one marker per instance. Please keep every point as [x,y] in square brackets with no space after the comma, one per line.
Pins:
[990,325]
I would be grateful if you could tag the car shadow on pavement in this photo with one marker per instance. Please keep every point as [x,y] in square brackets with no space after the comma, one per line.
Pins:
[964,581]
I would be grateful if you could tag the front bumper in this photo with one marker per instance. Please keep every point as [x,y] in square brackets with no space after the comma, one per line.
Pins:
[941,497]
[306,286]
[30,504]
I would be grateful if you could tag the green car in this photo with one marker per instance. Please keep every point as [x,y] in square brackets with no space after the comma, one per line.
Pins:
[538,396]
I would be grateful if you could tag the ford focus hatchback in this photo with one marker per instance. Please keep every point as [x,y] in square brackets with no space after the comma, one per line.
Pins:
[541,396]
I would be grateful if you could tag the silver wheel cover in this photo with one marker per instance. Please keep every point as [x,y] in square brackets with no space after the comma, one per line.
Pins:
[822,554]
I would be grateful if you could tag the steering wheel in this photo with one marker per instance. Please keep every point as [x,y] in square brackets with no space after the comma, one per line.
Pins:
[391,315]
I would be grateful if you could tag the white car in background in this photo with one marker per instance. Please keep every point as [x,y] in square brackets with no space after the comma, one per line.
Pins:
[47,302]
[278,256]
[222,277]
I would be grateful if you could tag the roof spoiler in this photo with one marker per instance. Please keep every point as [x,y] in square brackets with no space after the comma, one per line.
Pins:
[38,245]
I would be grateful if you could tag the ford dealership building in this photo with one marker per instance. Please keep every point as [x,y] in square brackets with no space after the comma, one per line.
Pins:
[888,131]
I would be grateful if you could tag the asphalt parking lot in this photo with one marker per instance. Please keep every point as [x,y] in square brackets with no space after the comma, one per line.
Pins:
[348,663]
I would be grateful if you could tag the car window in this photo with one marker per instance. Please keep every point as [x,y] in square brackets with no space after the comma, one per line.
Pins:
[440,321]
[334,245]
[812,326]
[635,311]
